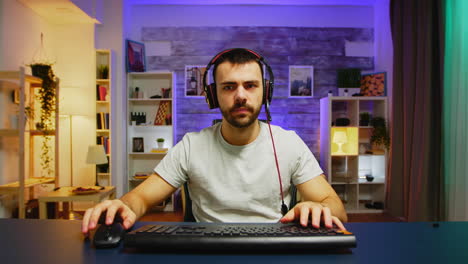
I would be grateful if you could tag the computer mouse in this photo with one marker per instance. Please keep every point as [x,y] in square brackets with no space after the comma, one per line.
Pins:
[108,236]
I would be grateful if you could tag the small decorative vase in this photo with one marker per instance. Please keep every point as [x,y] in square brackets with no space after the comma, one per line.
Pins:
[362,149]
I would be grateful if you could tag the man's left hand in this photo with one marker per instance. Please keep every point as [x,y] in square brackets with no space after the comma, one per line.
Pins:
[320,214]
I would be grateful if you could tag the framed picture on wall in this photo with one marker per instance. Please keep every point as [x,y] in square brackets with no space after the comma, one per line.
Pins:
[374,84]
[135,56]
[15,96]
[138,144]
[301,81]
[194,80]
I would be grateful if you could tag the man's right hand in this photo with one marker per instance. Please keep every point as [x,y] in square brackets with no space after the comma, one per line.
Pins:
[91,217]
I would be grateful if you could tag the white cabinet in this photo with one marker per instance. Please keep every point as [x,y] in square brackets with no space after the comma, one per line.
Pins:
[150,116]
[355,168]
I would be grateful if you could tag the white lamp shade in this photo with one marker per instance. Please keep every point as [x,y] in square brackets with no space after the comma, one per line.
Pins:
[340,137]
[96,155]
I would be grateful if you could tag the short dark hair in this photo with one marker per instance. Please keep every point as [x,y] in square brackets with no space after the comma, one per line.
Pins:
[236,56]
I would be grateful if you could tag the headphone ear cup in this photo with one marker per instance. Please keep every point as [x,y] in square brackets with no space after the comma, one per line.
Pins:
[268,93]
[211,97]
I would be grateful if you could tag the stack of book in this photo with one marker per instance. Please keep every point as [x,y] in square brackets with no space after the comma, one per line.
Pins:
[105,141]
[141,175]
[159,150]
[102,120]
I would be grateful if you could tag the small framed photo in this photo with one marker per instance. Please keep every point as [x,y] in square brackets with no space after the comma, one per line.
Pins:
[15,96]
[301,81]
[138,144]
[194,80]
[374,84]
[135,56]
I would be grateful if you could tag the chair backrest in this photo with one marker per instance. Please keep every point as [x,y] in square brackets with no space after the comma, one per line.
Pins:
[187,202]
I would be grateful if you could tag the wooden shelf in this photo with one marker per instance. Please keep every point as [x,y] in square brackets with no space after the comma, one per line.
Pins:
[363,210]
[30,182]
[9,132]
[142,154]
[150,126]
[26,89]
[141,100]
[343,182]
[375,181]
[15,75]
[137,180]
[42,132]
[151,74]
[103,80]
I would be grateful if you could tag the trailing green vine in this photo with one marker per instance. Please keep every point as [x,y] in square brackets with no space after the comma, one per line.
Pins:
[47,102]
[380,134]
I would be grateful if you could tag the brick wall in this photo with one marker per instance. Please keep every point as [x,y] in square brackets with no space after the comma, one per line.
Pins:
[323,48]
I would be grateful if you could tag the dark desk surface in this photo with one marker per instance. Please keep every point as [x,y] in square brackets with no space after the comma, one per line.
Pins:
[60,241]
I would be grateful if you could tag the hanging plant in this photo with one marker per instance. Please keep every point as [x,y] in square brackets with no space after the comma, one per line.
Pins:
[379,135]
[46,97]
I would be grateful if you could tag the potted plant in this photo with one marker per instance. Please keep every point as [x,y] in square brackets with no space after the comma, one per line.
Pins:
[160,142]
[103,71]
[46,97]
[379,135]
[364,119]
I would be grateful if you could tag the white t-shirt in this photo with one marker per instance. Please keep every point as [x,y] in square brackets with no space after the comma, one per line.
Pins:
[229,183]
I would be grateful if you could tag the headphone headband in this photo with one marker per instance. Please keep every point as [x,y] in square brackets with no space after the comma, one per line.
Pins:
[210,89]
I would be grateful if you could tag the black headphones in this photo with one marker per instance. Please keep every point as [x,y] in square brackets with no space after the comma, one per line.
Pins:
[210,89]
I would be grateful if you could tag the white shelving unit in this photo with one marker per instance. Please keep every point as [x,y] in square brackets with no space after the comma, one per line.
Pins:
[103,108]
[346,154]
[154,96]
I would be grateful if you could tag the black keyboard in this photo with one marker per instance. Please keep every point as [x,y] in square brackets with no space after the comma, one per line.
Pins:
[237,237]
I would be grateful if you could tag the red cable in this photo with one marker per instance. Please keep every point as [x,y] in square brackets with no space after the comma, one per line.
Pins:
[276,160]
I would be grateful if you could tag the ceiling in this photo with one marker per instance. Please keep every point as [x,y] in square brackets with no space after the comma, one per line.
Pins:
[67,11]
[256,2]
[58,11]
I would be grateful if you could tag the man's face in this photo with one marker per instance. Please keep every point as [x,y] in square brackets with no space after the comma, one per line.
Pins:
[240,90]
